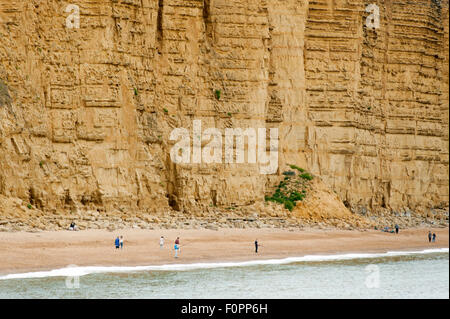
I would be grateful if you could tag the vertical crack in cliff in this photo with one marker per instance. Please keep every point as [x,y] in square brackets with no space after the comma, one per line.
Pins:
[274,106]
[206,18]
[159,23]
[209,26]
[5,97]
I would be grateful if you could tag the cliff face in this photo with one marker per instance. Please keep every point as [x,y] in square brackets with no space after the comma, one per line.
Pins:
[86,113]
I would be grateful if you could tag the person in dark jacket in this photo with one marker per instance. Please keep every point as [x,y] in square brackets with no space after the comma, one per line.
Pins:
[117,242]
[429,236]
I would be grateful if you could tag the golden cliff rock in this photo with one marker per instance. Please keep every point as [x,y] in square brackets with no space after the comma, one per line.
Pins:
[86,110]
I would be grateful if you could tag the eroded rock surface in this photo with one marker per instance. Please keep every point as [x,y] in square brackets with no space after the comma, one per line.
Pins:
[86,113]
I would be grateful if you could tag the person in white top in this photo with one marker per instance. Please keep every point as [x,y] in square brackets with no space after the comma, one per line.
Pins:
[121,242]
[161,242]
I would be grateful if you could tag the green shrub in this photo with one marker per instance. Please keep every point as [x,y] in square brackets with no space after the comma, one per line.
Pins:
[307,176]
[136,92]
[217,93]
[29,206]
[289,205]
[288,201]
[301,170]
[166,110]
[287,196]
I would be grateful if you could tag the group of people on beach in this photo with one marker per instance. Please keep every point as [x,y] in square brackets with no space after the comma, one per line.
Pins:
[73,227]
[431,237]
[388,229]
[176,246]
[119,239]
[118,242]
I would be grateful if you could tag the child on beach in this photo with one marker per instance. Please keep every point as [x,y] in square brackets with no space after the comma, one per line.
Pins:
[434,237]
[121,242]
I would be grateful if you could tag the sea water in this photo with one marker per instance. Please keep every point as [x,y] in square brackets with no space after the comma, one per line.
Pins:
[399,275]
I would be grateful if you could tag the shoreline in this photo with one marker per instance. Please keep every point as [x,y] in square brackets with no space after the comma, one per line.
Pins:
[45,251]
[87,270]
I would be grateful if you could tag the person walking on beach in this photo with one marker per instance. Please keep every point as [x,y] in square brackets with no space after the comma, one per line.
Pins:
[177,246]
[161,242]
[396,228]
[117,242]
[256,246]
[434,237]
[429,236]
[121,242]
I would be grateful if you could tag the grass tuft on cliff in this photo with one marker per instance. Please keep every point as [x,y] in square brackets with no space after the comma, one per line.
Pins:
[218,94]
[307,176]
[301,170]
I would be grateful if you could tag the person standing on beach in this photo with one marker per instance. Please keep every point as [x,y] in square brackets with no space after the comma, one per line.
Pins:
[256,246]
[429,236]
[161,242]
[396,228]
[177,246]
[121,242]
[117,242]
[434,237]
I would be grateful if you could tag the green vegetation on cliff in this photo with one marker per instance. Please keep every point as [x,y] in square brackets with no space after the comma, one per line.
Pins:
[292,189]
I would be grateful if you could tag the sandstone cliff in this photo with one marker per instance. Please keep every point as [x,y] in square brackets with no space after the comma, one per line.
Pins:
[86,113]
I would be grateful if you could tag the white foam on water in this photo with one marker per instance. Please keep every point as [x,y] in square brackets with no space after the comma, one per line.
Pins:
[83,271]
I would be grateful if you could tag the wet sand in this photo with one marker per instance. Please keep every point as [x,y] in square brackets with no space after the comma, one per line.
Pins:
[25,252]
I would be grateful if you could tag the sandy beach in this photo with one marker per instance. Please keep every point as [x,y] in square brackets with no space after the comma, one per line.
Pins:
[24,252]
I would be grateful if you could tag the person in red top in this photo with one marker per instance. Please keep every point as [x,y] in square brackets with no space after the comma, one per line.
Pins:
[177,246]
